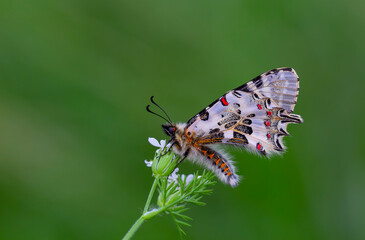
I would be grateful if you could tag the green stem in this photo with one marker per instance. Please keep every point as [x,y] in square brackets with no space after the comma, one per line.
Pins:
[140,220]
[152,191]
[133,229]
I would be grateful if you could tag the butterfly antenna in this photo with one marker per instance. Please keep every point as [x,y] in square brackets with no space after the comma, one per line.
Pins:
[161,109]
[148,110]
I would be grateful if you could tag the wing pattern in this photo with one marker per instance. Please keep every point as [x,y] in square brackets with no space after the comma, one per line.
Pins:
[254,115]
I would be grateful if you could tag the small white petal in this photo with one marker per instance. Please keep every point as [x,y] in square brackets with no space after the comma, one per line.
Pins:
[148,163]
[174,173]
[173,176]
[162,143]
[189,178]
[154,142]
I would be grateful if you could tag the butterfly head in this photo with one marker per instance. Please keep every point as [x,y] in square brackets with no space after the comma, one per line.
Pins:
[169,129]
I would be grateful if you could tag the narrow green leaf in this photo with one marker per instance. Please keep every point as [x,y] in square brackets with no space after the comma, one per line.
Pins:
[181,210]
[187,218]
[182,223]
[200,203]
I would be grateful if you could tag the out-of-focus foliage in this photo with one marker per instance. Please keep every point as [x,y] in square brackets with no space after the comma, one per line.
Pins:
[75,77]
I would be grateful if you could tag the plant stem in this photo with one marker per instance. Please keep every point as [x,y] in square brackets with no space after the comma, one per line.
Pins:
[133,229]
[141,219]
[152,191]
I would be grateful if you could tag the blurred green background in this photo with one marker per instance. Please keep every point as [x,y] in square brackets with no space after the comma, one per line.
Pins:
[75,77]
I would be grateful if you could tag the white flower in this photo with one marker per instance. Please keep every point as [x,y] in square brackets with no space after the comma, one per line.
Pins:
[161,145]
[155,143]
[148,163]
[187,178]
[173,176]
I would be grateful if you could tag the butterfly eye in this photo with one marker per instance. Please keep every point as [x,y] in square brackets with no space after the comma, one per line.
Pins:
[172,129]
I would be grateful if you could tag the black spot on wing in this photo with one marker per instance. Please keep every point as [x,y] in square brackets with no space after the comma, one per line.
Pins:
[284,69]
[236,94]
[240,136]
[244,129]
[291,118]
[217,135]
[236,105]
[278,144]
[244,88]
[230,124]
[229,117]
[258,82]
[247,121]
[214,130]
[283,132]
[251,115]
[204,116]
[236,141]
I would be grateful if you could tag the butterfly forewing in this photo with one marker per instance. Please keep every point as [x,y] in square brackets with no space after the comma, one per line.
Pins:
[281,85]
[254,115]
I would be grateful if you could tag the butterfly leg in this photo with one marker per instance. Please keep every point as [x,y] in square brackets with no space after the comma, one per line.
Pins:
[183,158]
[172,142]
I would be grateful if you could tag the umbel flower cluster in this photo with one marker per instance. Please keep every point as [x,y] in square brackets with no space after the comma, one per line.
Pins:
[175,191]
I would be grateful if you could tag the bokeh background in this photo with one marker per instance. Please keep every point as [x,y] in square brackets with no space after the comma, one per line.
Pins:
[75,77]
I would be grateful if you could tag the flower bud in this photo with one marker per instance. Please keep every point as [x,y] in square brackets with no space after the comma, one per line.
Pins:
[164,165]
[172,198]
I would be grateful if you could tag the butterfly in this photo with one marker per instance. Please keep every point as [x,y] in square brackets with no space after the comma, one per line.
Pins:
[253,116]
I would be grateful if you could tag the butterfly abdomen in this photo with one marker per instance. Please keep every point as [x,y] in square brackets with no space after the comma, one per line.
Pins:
[220,164]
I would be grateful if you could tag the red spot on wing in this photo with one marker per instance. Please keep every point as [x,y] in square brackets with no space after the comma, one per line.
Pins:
[268,113]
[224,101]
[259,106]
[259,147]
[267,123]
[268,135]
